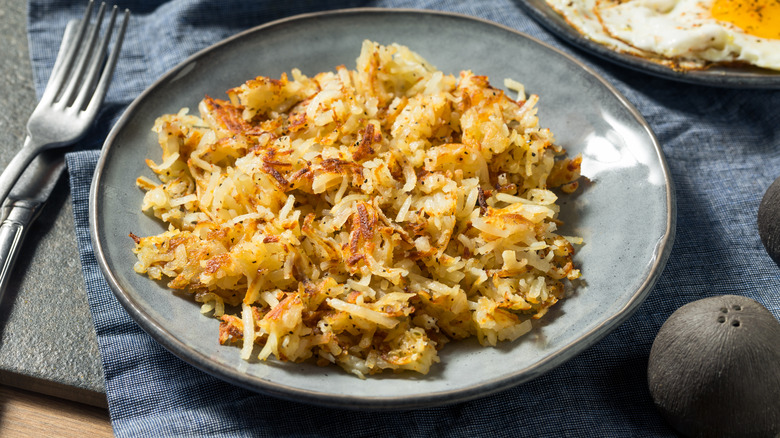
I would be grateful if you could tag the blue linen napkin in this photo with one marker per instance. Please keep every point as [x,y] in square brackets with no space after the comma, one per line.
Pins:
[723,149]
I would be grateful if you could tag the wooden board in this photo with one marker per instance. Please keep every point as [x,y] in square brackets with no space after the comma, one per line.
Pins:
[28,414]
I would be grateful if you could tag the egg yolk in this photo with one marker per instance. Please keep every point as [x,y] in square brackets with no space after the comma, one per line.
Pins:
[759,18]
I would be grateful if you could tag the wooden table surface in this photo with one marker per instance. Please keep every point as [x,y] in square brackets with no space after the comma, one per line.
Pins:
[29,414]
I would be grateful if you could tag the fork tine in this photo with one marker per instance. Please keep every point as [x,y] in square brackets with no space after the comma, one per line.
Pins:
[108,71]
[63,66]
[75,82]
[68,38]
[95,65]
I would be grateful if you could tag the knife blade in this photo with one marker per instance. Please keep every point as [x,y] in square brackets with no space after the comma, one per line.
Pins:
[24,205]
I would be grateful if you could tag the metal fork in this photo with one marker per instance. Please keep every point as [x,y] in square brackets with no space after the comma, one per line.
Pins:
[74,93]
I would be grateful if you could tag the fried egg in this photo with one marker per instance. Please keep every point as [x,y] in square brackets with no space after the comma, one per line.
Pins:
[684,34]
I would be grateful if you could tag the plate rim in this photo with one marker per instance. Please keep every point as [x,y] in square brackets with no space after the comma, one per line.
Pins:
[446,397]
[714,78]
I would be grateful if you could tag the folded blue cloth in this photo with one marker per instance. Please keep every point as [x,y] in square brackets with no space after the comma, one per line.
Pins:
[723,149]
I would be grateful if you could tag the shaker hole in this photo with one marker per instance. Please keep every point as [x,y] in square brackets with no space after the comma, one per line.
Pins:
[736,307]
[735,323]
[721,319]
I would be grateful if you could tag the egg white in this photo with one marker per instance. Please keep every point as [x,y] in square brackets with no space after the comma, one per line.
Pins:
[684,29]
[678,33]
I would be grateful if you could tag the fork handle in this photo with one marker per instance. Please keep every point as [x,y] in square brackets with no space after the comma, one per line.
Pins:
[12,231]
[16,167]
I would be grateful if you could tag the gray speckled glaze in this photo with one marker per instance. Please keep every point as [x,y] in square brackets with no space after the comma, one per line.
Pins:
[726,77]
[626,213]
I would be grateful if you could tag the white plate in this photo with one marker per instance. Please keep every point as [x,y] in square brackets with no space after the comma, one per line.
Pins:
[626,215]
[720,76]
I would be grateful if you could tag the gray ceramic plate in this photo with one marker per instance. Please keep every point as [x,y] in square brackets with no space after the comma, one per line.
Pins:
[626,214]
[731,77]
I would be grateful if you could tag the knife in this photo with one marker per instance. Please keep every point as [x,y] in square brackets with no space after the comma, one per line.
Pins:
[24,205]
[28,196]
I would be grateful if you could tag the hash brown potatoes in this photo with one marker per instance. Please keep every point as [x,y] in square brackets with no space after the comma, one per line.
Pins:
[362,217]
